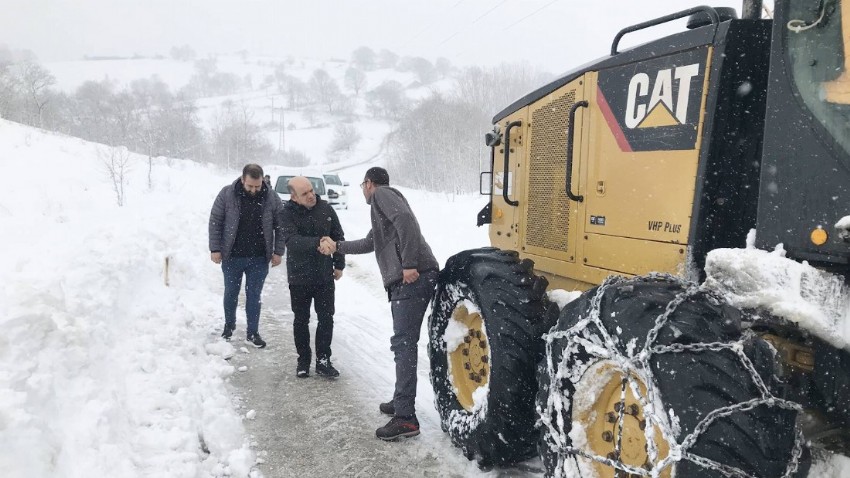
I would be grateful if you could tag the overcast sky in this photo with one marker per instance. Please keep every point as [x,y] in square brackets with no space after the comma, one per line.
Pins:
[554,34]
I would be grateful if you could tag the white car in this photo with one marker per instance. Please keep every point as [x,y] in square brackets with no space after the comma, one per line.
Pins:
[337,190]
[280,186]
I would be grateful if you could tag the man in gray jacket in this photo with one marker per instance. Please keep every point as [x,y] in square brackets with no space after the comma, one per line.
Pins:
[244,236]
[409,271]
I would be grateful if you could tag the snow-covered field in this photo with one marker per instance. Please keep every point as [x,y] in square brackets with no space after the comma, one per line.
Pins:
[105,368]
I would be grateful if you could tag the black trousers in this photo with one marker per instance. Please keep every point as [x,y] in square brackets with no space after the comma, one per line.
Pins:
[322,297]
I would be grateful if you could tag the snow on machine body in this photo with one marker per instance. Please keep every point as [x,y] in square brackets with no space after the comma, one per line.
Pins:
[632,178]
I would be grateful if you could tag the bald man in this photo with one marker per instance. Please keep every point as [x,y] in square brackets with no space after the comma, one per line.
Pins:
[305,220]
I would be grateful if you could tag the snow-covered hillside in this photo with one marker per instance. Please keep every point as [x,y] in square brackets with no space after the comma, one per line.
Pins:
[106,369]
[305,129]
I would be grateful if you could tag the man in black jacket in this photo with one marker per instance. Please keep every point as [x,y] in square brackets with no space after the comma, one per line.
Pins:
[244,237]
[306,219]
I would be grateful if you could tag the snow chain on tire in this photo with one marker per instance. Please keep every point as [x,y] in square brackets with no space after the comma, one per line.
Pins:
[500,309]
[699,387]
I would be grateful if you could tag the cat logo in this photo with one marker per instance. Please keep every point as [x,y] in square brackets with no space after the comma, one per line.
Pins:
[655,104]
[660,109]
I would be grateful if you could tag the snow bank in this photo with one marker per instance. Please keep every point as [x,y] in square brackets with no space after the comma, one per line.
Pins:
[562,297]
[752,278]
[104,369]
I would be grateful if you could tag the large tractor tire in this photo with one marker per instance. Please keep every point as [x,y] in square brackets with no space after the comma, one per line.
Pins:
[656,377]
[485,330]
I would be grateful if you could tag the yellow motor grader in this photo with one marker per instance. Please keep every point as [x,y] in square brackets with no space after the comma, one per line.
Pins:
[618,179]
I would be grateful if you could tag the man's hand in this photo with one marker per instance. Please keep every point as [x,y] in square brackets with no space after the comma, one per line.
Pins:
[410,276]
[215,257]
[275,260]
[327,246]
[337,274]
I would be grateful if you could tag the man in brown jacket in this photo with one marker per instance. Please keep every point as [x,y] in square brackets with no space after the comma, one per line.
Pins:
[409,271]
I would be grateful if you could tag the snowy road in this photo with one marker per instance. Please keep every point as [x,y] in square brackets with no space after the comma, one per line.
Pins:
[326,427]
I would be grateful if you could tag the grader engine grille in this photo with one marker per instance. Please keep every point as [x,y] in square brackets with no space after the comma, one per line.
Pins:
[548,209]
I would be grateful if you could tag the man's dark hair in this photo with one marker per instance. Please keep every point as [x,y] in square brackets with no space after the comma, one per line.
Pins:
[254,171]
[378,176]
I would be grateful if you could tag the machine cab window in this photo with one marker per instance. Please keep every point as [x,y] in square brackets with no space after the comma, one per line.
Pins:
[818,40]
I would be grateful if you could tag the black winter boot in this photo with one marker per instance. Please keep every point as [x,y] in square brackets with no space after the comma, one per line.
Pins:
[387,408]
[325,368]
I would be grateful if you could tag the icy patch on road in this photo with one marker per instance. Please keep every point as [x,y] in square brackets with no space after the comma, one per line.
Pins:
[751,278]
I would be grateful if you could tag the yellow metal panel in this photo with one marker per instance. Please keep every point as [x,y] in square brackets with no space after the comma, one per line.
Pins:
[633,256]
[566,275]
[551,218]
[504,230]
[642,195]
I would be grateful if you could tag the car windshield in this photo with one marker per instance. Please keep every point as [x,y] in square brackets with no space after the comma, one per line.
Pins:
[820,63]
[282,181]
[333,179]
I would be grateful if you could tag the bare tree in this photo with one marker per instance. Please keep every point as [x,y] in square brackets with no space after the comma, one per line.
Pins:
[422,68]
[10,92]
[355,80]
[345,138]
[236,138]
[324,89]
[449,165]
[493,88]
[364,58]
[293,158]
[443,67]
[182,53]
[387,100]
[344,105]
[310,116]
[92,117]
[6,56]
[296,91]
[459,120]
[280,77]
[387,59]
[36,80]
[208,81]
[116,162]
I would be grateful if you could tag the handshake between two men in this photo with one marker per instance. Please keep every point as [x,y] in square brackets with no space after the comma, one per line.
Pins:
[327,246]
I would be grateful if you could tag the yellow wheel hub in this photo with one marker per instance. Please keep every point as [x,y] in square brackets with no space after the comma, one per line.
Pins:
[605,427]
[470,361]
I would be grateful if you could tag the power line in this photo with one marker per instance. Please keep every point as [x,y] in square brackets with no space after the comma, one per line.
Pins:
[488,12]
[530,14]
[431,24]
[473,22]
